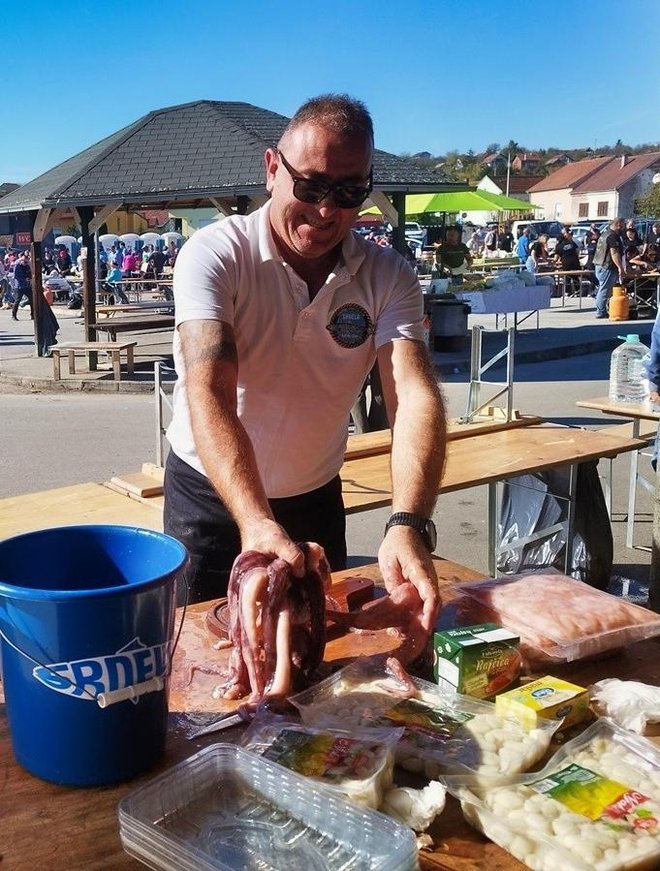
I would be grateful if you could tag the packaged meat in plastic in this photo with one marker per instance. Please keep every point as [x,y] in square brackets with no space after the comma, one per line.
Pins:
[594,807]
[558,618]
[446,734]
[357,764]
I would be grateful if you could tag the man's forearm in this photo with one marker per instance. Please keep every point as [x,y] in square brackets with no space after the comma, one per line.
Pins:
[228,457]
[418,450]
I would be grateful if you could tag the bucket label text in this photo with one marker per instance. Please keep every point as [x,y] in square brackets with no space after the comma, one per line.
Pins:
[86,678]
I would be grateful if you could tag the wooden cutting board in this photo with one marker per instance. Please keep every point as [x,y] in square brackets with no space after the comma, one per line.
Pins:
[198,667]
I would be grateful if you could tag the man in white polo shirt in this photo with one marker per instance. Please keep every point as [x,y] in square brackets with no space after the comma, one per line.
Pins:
[280,316]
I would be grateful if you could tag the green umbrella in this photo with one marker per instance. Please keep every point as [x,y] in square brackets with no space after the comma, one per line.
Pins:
[464,201]
[461,201]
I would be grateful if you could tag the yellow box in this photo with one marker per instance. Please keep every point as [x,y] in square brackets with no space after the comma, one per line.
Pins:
[548,698]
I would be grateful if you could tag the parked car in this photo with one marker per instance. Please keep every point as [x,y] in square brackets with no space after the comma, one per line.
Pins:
[415,232]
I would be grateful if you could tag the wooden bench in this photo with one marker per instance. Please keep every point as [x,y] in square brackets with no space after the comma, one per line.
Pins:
[131,324]
[113,348]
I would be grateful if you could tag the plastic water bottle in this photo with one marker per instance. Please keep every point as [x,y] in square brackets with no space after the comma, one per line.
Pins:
[627,371]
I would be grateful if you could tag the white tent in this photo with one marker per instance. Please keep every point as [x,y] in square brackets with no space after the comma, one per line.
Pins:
[150,238]
[108,240]
[129,239]
[172,236]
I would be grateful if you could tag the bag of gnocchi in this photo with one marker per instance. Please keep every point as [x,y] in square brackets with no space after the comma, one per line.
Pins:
[594,807]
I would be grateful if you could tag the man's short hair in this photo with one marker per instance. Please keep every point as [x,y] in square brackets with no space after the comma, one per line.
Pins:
[338,112]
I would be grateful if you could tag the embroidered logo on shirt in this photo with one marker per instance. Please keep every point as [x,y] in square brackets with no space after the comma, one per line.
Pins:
[350,325]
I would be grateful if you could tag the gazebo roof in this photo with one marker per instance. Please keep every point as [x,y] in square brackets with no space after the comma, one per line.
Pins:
[188,154]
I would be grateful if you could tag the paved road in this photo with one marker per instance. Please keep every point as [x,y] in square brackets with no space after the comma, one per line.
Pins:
[50,440]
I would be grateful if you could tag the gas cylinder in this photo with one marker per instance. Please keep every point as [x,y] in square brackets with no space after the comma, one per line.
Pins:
[619,304]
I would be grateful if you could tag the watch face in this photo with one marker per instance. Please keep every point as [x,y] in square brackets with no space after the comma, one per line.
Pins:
[431,535]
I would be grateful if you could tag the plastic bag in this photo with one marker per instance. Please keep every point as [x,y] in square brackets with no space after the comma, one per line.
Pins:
[594,807]
[530,503]
[558,618]
[357,764]
[446,734]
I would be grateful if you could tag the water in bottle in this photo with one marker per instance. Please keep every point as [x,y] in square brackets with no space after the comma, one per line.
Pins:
[628,372]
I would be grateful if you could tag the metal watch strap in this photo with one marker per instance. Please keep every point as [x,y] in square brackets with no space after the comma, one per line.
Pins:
[414,521]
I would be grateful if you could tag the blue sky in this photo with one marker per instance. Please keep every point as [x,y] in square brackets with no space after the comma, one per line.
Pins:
[435,75]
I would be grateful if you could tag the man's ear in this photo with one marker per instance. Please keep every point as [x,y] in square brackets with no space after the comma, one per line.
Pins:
[271,161]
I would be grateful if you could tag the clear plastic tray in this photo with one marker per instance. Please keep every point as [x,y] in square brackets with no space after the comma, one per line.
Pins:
[355,764]
[446,734]
[226,809]
[558,618]
[573,829]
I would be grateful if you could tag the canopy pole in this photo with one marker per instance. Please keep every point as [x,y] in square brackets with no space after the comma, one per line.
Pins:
[89,278]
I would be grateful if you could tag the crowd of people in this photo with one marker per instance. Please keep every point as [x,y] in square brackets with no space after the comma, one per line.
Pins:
[119,263]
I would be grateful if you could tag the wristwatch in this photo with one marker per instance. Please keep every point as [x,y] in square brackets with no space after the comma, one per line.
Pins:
[423,525]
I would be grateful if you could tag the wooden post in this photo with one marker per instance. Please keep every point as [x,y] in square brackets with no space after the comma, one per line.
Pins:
[89,278]
[399,232]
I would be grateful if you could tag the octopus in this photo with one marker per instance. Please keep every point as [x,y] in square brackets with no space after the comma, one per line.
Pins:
[277,626]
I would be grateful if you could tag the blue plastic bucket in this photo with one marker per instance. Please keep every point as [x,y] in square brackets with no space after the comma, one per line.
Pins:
[87,622]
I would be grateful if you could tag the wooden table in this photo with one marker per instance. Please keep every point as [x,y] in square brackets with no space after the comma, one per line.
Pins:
[79,503]
[564,275]
[488,459]
[135,307]
[133,324]
[43,826]
[641,277]
[638,413]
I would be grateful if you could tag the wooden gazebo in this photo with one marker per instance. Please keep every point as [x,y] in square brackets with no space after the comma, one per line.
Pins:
[192,155]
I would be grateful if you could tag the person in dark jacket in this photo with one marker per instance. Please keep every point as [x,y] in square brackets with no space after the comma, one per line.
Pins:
[23,280]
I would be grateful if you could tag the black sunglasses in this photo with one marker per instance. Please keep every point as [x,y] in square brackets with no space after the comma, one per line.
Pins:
[309,190]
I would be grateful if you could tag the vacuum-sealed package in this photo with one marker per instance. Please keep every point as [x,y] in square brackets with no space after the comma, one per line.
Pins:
[594,807]
[445,734]
[557,618]
[357,764]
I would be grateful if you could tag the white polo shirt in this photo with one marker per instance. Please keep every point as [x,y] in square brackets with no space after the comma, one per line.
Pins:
[300,365]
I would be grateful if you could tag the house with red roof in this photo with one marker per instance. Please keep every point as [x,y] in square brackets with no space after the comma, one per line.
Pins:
[597,189]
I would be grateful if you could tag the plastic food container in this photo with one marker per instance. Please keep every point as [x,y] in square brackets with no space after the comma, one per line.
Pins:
[594,807]
[226,809]
[446,734]
[357,765]
[557,618]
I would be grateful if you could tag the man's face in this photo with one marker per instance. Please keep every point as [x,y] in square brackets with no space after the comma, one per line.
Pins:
[617,225]
[307,229]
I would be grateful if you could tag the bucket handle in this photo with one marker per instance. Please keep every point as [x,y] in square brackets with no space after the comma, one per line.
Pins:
[103,700]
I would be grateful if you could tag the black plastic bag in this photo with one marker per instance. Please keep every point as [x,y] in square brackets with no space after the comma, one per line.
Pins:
[530,503]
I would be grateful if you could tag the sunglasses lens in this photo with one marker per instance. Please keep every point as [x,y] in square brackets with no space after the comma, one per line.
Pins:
[310,191]
[350,197]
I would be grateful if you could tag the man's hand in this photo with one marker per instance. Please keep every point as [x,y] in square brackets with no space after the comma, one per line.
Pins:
[402,557]
[268,537]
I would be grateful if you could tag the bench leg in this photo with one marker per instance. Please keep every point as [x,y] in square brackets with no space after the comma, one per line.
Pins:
[57,375]
[130,361]
[72,362]
[116,365]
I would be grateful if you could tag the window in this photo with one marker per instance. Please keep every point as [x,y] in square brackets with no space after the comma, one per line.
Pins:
[602,209]
[583,210]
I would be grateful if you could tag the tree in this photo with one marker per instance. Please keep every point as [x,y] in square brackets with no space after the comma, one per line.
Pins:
[650,204]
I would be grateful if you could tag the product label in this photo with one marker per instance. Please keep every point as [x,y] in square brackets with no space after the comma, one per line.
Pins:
[418,717]
[589,794]
[334,758]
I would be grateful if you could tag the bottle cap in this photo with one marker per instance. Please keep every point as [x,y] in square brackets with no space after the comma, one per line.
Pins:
[631,337]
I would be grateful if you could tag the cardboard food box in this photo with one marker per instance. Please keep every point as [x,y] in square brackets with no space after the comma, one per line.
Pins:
[478,661]
[549,698]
